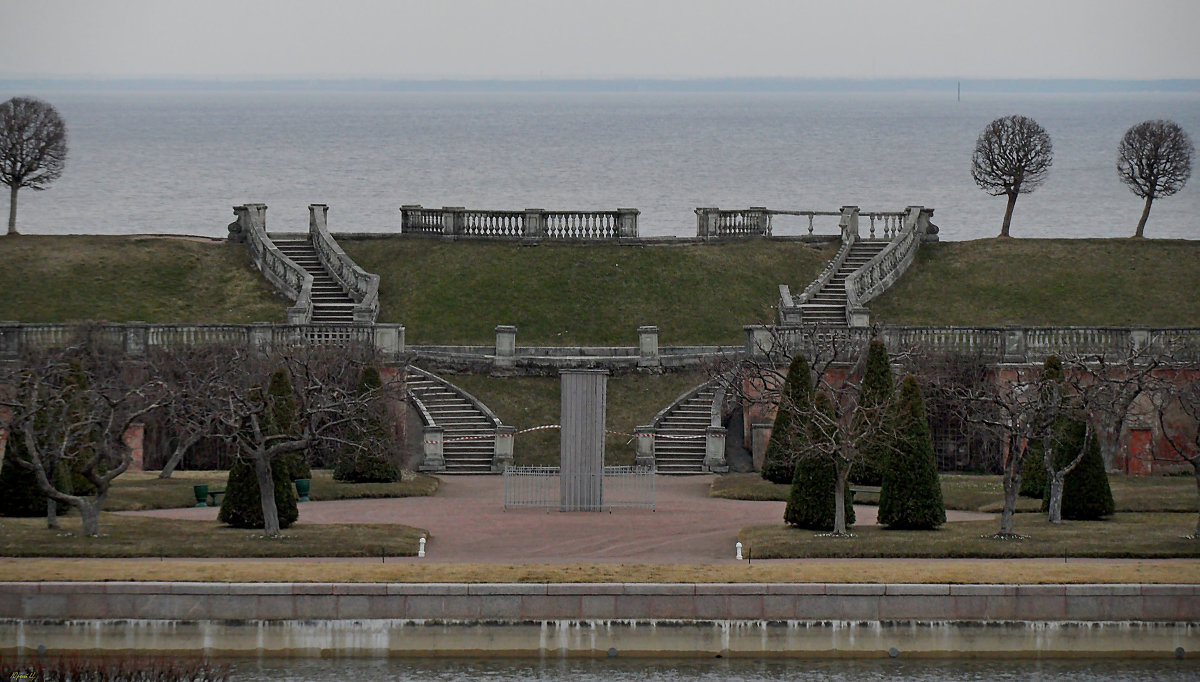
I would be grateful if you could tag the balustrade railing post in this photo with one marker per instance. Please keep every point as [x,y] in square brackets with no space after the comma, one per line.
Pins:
[926,229]
[644,446]
[849,222]
[714,449]
[452,221]
[648,347]
[760,342]
[758,220]
[506,346]
[1015,344]
[260,338]
[318,217]
[706,222]
[433,439]
[502,457]
[135,339]
[627,223]
[389,341]
[406,217]
[11,341]
[533,223]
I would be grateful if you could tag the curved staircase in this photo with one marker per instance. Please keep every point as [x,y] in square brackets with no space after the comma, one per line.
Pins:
[828,306]
[469,427]
[331,304]
[681,432]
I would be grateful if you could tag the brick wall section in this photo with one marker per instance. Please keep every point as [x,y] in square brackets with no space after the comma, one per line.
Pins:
[603,601]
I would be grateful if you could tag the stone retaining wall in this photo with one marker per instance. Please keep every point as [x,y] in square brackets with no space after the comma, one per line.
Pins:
[814,620]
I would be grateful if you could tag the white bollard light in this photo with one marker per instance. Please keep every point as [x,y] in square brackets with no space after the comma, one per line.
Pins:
[739,551]
[421,548]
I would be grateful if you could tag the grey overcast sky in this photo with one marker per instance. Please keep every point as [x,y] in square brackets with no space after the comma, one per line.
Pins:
[1112,39]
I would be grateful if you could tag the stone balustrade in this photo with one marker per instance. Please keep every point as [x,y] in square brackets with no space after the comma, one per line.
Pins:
[362,286]
[757,221]
[884,269]
[453,222]
[289,278]
[134,339]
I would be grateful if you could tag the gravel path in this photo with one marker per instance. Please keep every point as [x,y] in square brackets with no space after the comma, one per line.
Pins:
[467,522]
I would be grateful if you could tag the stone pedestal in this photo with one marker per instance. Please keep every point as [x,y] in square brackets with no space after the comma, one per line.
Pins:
[644,444]
[648,347]
[503,457]
[581,479]
[433,438]
[506,346]
[714,449]
[137,339]
[627,223]
[389,340]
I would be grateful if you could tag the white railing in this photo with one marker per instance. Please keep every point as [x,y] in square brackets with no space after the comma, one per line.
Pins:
[362,286]
[539,487]
[283,273]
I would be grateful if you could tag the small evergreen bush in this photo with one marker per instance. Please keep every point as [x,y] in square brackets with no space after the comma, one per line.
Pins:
[813,498]
[1033,471]
[877,389]
[787,434]
[366,459]
[241,507]
[911,494]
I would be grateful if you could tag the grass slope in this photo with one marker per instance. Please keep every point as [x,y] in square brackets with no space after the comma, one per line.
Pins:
[564,295]
[121,278]
[1117,282]
[526,402]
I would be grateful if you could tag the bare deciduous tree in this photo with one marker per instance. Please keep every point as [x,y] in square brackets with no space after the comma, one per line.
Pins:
[1182,437]
[33,148]
[1155,160]
[1012,157]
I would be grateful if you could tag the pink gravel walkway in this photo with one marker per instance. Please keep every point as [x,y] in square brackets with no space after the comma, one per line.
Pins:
[468,523]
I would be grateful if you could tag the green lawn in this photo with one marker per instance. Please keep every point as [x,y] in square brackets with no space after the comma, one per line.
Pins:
[121,278]
[1118,282]
[526,402]
[565,295]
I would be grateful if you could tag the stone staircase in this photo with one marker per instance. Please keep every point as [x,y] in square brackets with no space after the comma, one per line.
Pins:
[679,434]
[828,306]
[331,303]
[443,404]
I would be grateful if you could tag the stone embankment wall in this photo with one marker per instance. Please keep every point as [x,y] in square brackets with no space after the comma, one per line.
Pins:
[813,619]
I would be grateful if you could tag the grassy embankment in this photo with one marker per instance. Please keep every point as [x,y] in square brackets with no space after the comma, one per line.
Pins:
[121,278]
[1100,282]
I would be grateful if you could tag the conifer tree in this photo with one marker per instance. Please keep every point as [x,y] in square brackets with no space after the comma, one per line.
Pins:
[241,507]
[812,501]
[20,494]
[1033,471]
[281,421]
[877,389]
[365,459]
[911,494]
[789,431]
[1086,494]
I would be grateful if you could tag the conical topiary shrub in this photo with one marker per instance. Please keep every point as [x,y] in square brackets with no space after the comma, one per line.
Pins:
[280,419]
[813,497]
[911,494]
[788,432]
[1086,492]
[1033,472]
[241,507]
[877,389]
[367,459]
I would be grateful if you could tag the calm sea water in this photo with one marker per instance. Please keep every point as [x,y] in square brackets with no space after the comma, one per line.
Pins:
[588,670]
[176,162]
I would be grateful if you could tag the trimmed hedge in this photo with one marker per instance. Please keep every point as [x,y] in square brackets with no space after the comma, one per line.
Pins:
[877,389]
[911,494]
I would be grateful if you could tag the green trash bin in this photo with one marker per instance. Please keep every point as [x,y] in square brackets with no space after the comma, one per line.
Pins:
[201,492]
[302,485]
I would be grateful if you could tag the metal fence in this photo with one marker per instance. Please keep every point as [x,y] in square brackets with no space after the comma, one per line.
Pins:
[624,487]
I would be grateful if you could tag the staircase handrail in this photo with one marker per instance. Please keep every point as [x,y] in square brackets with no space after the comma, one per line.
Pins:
[686,395]
[487,412]
[362,286]
[877,274]
[849,228]
[282,272]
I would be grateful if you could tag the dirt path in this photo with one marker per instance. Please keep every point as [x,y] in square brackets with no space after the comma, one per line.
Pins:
[468,523]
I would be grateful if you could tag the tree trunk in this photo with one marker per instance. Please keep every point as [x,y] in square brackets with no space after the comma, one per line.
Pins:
[1141,228]
[177,456]
[839,498]
[51,514]
[1008,211]
[266,491]
[1012,487]
[1056,481]
[12,210]
[89,511]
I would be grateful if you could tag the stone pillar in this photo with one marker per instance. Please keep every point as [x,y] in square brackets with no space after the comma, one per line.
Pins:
[297,315]
[1139,339]
[433,438]
[506,346]
[452,221]
[389,340]
[926,228]
[405,219]
[714,449]
[760,437]
[644,444]
[859,318]
[648,347]
[627,223]
[11,341]
[136,339]
[260,338]
[849,222]
[759,340]
[1014,344]
[503,457]
[318,217]
[706,222]
[581,479]
[533,224]
[133,438]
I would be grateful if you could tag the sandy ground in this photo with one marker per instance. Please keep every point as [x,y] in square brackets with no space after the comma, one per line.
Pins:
[468,523]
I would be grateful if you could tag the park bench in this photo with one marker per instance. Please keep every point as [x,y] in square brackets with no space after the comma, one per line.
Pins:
[863,489]
[214,497]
